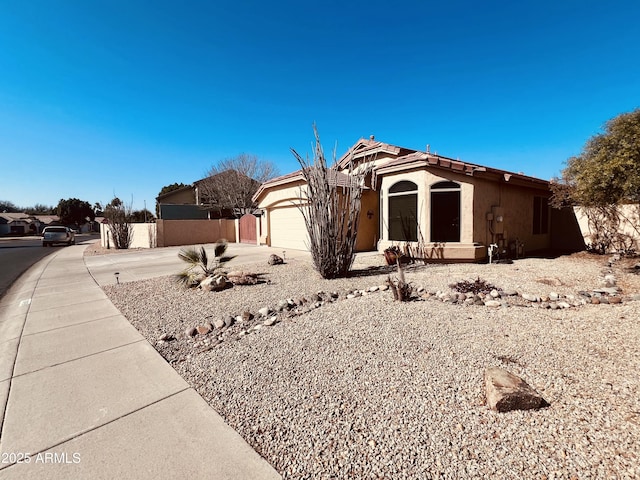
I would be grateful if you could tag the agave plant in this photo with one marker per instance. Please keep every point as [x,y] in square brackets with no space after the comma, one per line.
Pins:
[199,268]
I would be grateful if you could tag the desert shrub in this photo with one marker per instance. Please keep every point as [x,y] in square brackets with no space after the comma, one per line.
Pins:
[473,286]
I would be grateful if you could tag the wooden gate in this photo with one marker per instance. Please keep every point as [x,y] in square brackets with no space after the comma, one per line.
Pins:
[248,231]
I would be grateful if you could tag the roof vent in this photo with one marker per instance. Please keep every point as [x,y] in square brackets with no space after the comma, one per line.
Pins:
[428,147]
[372,137]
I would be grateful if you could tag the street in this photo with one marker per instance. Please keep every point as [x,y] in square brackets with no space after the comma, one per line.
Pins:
[17,254]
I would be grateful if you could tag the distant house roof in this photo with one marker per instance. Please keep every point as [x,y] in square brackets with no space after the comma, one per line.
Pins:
[9,217]
[173,192]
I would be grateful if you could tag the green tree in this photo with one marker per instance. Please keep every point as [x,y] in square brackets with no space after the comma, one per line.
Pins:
[74,212]
[604,178]
[142,216]
[608,169]
[8,207]
[41,209]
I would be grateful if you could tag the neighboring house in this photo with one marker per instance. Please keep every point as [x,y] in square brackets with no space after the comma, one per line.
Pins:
[21,223]
[440,208]
[201,200]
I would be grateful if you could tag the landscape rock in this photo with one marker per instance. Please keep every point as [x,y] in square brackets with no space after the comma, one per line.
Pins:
[246,316]
[213,283]
[228,321]
[553,296]
[275,260]
[615,300]
[607,290]
[506,391]
[264,311]
[219,324]
[203,329]
[530,298]
[492,303]
[270,322]
[191,332]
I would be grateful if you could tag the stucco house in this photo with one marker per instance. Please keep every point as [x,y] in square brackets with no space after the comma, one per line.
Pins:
[439,208]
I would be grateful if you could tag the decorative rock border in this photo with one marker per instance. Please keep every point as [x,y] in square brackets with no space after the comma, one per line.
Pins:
[233,328]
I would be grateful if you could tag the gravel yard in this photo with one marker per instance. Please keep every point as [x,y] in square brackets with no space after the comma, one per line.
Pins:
[367,387]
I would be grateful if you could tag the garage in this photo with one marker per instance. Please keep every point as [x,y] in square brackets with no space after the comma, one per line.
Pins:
[287,228]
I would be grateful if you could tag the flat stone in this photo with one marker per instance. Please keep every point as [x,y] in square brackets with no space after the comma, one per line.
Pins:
[615,300]
[219,324]
[509,293]
[264,311]
[595,300]
[563,305]
[374,289]
[492,303]
[553,296]
[607,290]
[506,391]
[530,298]
[384,288]
[270,322]
[350,296]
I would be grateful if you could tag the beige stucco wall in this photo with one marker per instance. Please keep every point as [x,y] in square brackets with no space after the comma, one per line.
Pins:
[629,218]
[192,232]
[517,204]
[425,179]
[289,195]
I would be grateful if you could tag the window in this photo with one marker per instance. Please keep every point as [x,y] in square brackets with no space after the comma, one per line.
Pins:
[540,215]
[445,212]
[403,211]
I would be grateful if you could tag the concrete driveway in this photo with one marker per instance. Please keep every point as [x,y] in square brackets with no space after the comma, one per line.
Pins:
[158,262]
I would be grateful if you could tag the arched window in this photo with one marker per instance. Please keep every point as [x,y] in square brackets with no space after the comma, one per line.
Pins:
[403,211]
[445,212]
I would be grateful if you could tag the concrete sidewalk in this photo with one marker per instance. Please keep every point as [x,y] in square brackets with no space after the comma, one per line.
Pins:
[84,395]
[158,262]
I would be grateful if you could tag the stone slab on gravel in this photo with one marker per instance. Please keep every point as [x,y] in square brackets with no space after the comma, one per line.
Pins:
[506,392]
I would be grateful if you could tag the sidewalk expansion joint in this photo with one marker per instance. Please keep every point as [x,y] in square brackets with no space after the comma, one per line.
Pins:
[117,315]
[89,430]
[80,358]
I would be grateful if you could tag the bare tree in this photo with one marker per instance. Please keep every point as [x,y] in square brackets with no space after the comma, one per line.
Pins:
[118,214]
[331,211]
[232,182]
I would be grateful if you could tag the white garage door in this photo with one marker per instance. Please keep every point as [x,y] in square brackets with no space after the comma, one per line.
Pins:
[288,229]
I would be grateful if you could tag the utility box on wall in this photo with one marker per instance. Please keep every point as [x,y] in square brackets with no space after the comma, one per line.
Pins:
[497,220]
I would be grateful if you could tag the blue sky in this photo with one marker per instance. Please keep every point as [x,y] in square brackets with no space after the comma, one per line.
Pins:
[124,97]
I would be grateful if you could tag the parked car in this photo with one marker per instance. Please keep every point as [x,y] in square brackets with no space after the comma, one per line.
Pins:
[51,235]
